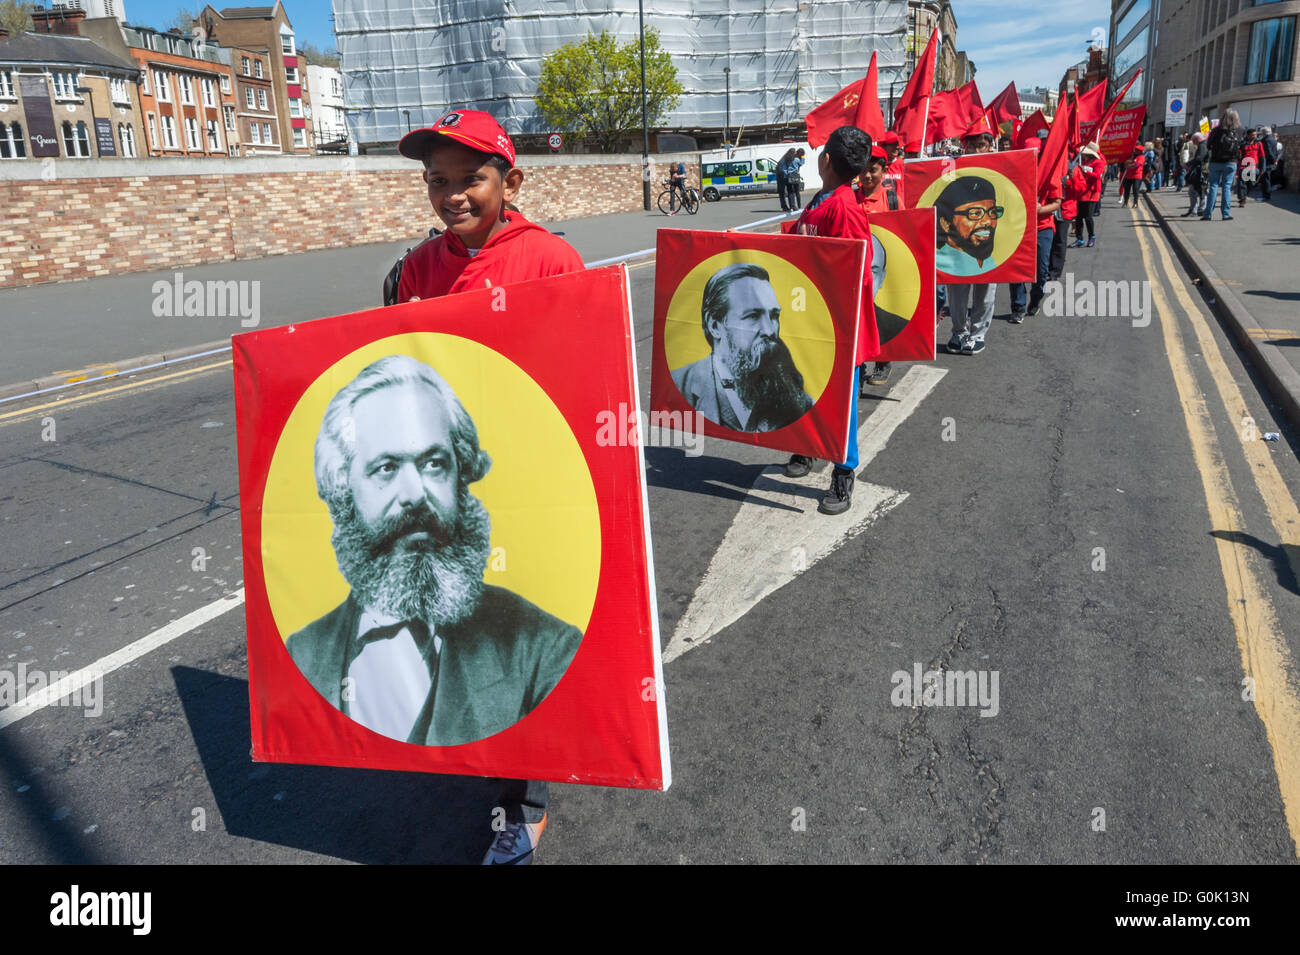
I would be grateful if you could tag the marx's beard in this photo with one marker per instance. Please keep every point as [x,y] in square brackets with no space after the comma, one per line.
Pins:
[438,579]
[974,245]
[768,381]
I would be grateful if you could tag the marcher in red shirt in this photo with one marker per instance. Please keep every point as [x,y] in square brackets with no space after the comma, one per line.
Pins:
[1049,202]
[1252,158]
[1133,177]
[1093,167]
[1073,188]
[876,192]
[894,170]
[469,167]
[835,212]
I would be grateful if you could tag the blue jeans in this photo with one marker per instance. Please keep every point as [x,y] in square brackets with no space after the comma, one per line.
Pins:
[851,463]
[1221,177]
[1018,296]
[1045,239]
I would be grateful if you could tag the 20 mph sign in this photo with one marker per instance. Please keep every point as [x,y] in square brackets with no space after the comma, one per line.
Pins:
[555,140]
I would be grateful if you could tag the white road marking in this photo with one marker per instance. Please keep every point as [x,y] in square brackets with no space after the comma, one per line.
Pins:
[119,658]
[778,534]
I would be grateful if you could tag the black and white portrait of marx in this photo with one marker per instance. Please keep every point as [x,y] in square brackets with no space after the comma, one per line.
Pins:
[749,382]
[422,650]
[967,214]
[887,322]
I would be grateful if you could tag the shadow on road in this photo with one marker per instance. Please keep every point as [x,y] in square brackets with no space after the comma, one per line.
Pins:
[1284,557]
[63,845]
[675,470]
[1269,293]
[367,816]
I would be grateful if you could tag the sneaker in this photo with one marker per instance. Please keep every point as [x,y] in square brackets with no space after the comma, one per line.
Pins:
[972,346]
[880,374]
[1227,218]
[1033,308]
[839,495]
[1017,316]
[1206,218]
[1077,244]
[515,843]
[955,343]
[1092,241]
[798,466]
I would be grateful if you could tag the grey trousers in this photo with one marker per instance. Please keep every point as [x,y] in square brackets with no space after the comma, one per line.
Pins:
[971,307]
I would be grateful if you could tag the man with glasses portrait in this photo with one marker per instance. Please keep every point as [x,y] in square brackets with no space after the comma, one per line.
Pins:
[967,214]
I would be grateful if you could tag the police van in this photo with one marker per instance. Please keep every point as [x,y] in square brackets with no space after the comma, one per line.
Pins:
[750,171]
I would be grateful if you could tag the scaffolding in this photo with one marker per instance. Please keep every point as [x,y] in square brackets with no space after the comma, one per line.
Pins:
[406,62]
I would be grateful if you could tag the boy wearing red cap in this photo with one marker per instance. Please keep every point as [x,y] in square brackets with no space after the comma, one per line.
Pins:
[469,167]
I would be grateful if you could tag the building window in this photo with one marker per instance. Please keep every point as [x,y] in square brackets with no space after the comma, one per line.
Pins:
[7,85]
[230,116]
[291,74]
[266,134]
[335,87]
[65,86]
[257,69]
[153,132]
[117,88]
[234,150]
[248,96]
[256,131]
[261,99]
[144,81]
[11,142]
[127,135]
[286,43]
[225,83]
[243,65]
[299,138]
[214,139]
[1272,48]
[295,107]
[1131,18]
[169,132]
[1133,53]
[76,141]
[209,93]
[187,89]
[161,88]
[191,133]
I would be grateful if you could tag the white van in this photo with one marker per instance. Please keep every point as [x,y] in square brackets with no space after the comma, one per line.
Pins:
[751,170]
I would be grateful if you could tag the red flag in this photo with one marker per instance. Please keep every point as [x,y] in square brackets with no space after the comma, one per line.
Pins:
[1028,131]
[1075,140]
[952,112]
[1092,103]
[910,113]
[1114,105]
[1006,107]
[870,117]
[840,110]
[1054,155]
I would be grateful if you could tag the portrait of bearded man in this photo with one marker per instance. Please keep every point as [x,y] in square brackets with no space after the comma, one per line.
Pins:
[749,381]
[967,215]
[422,650]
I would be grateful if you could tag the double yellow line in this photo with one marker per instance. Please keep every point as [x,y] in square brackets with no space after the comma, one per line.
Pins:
[1265,659]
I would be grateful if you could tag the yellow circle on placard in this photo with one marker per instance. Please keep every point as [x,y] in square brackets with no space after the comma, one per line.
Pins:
[809,333]
[1011,227]
[539,493]
[900,293]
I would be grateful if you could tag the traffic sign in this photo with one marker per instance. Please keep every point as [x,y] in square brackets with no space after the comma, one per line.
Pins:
[1176,108]
[555,141]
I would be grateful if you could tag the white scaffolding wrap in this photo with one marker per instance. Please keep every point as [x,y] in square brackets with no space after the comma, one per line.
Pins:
[429,56]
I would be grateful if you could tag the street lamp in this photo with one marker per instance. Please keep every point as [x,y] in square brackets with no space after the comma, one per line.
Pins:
[645,115]
[726,123]
[408,119]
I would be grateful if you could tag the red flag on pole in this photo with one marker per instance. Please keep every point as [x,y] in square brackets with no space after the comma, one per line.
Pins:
[952,111]
[1107,116]
[1092,103]
[1075,140]
[1055,154]
[870,117]
[1028,131]
[913,105]
[1006,107]
[855,105]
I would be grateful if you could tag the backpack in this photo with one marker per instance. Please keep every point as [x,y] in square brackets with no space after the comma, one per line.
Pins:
[1225,145]
[394,277]
[891,194]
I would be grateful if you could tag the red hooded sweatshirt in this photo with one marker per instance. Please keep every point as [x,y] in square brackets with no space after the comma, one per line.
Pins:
[520,251]
[839,216]
[1076,189]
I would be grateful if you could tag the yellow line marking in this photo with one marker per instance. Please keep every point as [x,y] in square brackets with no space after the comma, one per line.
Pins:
[77,399]
[1264,655]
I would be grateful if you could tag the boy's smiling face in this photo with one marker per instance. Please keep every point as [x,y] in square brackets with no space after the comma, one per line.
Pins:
[468,193]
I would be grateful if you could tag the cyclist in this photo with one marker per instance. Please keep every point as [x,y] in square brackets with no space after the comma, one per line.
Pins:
[677,182]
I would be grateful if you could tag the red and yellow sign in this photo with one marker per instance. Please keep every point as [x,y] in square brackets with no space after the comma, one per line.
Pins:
[755,335]
[902,281]
[446,555]
[985,214]
[1122,134]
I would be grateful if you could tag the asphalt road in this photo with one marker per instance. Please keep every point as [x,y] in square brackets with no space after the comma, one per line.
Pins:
[1120,688]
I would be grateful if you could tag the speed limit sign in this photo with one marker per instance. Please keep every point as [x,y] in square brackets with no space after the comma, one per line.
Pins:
[555,140]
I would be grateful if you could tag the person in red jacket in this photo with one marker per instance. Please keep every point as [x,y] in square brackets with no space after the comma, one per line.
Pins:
[469,167]
[470,171]
[1250,169]
[1073,188]
[1133,177]
[894,170]
[835,212]
[1093,168]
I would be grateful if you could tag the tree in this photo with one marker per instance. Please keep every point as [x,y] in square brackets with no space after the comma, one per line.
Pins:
[183,21]
[16,16]
[314,54]
[593,88]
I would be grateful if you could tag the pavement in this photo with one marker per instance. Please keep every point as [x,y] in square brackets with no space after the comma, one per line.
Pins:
[1247,269]
[1076,509]
[58,333]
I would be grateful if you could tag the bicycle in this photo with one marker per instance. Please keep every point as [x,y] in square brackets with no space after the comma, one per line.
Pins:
[671,199]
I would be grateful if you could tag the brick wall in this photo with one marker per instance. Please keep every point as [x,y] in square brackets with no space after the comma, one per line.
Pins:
[74,220]
[1289,137]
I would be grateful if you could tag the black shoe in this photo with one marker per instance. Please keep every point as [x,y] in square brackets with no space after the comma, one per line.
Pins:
[1017,316]
[1033,308]
[880,374]
[798,466]
[839,495]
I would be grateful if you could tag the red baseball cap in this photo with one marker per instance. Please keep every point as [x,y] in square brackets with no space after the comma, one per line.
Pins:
[470,127]
[887,137]
[878,152]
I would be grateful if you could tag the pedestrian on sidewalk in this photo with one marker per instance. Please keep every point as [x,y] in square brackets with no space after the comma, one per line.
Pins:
[1198,174]
[1093,168]
[1250,170]
[1133,176]
[834,212]
[794,181]
[782,178]
[469,168]
[1224,144]
[1273,156]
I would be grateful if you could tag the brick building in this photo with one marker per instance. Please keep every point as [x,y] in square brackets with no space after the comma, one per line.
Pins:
[66,96]
[256,120]
[269,29]
[183,89]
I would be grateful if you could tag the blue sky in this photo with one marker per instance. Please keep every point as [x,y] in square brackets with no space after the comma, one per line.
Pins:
[310,18]
[1029,41]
